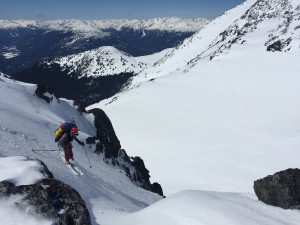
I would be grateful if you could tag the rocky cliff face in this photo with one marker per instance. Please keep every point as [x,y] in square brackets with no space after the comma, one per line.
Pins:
[50,198]
[107,143]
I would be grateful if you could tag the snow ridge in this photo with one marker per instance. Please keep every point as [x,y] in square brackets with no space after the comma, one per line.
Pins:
[266,25]
[104,61]
[99,62]
[276,22]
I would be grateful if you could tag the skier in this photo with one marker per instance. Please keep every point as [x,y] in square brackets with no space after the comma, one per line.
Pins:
[65,143]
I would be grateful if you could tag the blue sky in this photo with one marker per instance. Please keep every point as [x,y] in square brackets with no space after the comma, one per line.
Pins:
[113,9]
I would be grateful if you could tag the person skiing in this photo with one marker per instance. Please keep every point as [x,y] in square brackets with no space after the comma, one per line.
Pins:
[65,143]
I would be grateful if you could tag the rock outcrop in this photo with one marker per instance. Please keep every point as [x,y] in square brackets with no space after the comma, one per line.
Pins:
[281,189]
[50,198]
[108,144]
[45,92]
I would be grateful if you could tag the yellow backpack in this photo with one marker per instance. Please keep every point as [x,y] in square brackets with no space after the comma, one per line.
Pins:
[66,126]
[58,132]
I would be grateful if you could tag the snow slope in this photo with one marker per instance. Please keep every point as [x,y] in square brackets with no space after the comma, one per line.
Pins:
[27,122]
[232,119]
[187,207]
[22,172]
[210,208]
[210,125]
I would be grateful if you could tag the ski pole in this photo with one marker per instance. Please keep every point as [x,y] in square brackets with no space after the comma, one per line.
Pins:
[59,148]
[87,157]
[48,150]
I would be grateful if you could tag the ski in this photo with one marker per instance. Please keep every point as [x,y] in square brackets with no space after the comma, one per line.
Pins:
[70,167]
[75,167]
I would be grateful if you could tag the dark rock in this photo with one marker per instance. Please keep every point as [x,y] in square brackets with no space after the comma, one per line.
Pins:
[281,189]
[279,45]
[156,188]
[50,198]
[65,197]
[45,169]
[276,46]
[138,163]
[110,144]
[42,89]
[136,170]
[37,196]
[91,140]
[7,188]
[123,156]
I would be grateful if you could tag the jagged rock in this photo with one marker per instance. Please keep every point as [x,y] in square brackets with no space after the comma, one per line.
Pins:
[281,189]
[123,156]
[45,169]
[50,198]
[91,140]
[34,195]
[64,197]
[278,45]
[44,92]
[138,163]
[110,144]
[156,188]
[138,173]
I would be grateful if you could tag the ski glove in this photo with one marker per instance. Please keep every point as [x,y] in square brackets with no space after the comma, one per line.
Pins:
[81,143]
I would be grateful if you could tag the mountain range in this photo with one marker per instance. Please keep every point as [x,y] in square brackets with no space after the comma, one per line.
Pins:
[24,42]
[90,76]
[209,117]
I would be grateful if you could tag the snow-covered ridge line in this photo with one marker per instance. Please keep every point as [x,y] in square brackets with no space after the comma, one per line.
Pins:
[105,61]
[169,24]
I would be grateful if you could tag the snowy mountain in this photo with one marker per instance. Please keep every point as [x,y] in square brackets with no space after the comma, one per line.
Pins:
[90,76]
[24,42]
[225,101]
[29,125]
[104,61]
[110,197]
[211,117]
[267,25]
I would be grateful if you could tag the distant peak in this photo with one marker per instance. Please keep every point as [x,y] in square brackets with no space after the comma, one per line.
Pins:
[168,23]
